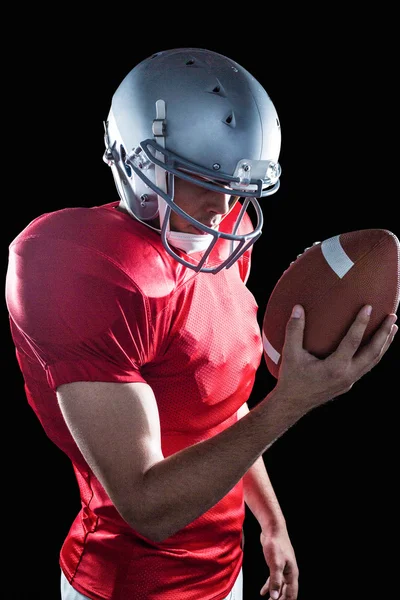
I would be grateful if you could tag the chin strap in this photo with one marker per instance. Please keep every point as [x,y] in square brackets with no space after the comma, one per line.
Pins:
[159,131]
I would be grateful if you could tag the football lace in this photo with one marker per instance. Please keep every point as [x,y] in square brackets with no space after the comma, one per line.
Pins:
[305,250]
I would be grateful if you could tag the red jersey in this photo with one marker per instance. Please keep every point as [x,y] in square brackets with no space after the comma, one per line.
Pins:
[94,296]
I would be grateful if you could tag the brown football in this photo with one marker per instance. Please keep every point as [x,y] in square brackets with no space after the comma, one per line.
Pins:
[332,280]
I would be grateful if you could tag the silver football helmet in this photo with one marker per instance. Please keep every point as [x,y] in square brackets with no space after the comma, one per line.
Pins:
[198,115]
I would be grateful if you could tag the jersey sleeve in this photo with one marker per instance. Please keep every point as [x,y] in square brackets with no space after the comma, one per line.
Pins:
[81,314]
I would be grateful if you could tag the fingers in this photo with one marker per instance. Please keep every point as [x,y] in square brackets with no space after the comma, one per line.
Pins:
[352,340]
[265,588]
[390,337]
[284,587]
[372,353]
[287,592]
[380,337]
[273,586]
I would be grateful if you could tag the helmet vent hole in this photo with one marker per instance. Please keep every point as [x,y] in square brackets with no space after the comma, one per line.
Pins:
[217,88]
[230,119]
[190,62]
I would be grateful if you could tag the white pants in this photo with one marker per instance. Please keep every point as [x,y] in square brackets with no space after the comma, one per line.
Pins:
[69,593]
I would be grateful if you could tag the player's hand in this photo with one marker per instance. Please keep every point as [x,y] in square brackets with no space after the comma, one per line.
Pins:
[312,381]
[283,580]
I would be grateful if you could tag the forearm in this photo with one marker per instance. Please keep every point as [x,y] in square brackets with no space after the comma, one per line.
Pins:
[259,494]
[260,497]
[183,486]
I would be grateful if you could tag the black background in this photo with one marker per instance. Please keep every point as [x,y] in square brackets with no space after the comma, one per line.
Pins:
[333,81]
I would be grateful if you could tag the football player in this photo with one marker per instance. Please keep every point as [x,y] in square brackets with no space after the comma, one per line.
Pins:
[138,341]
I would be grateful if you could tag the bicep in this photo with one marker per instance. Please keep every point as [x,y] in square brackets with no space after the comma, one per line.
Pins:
[116,427]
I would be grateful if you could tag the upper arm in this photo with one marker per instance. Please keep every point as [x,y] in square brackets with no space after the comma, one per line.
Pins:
[116,427]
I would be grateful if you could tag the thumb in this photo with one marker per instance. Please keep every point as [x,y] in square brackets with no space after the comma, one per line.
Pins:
[295,328]
[297,312]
